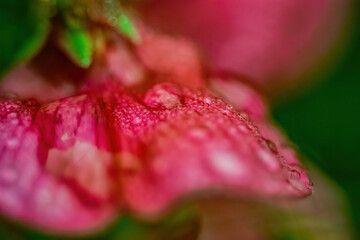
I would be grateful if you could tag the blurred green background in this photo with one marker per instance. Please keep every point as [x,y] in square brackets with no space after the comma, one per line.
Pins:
[324,120]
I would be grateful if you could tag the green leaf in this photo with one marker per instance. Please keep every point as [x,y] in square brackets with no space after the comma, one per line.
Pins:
[24,27]
[182,224]
[127,27]
[77,44]
[120,19]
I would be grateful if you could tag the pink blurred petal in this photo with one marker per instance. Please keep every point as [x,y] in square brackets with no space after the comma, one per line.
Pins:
[29,192]
[49,76]
[123,64]
[271,41]
[236,91]
[75,145]
[172,59]
[27,83]
[88,155]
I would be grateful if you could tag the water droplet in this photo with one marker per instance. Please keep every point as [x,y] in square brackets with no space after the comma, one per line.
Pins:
[162,95]
[294,174]
[282,161]
[226,111]
[207,100]
[137,120]
[271,145]
[294,178]
[244,116]
[253,128]
[64,137]
[8,175]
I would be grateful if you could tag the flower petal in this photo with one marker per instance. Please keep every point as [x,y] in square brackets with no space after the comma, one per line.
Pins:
[183,141]
[172,59]
[27,190]
[271,41]
[89,155]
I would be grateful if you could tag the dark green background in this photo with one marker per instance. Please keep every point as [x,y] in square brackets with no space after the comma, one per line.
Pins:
[23,30]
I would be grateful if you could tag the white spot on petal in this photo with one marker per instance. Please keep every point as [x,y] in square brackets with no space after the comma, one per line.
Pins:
[227,163]
[268,159]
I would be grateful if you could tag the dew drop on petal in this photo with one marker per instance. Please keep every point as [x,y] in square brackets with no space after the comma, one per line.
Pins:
[244,116]
[294,174]
[294,178]
[162,95]
[65,137]
[207,100]
[271,145]
[137,120]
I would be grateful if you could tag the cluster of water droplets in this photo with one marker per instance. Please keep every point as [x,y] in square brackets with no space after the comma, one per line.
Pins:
[292,173]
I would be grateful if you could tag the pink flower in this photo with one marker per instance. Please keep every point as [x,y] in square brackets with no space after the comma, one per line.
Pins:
[141,132]
[274,42]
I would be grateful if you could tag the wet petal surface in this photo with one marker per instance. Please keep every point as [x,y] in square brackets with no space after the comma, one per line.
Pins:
[91,155]
[27,190]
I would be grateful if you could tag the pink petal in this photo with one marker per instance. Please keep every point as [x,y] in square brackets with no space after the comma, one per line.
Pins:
[172,59]
[242,97]
[49,76]
[75,145]
[271,41]
[26,82]
[180,141]
[123,64]
[27,190]
[89,155]
[236,91]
